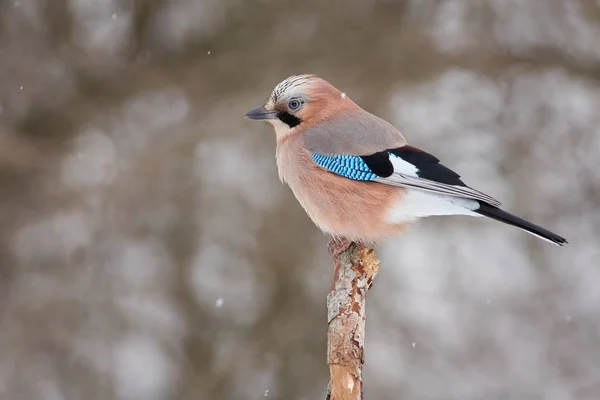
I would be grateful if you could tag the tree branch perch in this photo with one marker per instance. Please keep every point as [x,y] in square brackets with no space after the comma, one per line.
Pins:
[354,272]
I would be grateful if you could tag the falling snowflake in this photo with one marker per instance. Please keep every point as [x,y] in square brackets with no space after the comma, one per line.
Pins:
[219,302]
[343,95]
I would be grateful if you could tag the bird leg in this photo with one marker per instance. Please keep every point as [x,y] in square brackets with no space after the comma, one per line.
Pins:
[337,245]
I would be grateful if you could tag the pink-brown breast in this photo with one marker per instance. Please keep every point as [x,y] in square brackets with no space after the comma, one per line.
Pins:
[356,210]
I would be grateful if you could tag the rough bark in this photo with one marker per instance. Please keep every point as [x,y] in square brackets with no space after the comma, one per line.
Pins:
[355,270]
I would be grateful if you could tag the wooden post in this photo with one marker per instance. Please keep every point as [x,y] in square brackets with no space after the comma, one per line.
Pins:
[354,272]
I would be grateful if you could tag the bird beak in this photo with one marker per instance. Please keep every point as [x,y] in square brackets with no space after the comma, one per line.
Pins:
[259,113]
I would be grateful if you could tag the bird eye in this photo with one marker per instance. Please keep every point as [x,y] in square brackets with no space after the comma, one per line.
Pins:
[294,104]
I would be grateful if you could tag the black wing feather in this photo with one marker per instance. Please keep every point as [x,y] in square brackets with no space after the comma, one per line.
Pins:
[379,163]
[429,166]
[430,174]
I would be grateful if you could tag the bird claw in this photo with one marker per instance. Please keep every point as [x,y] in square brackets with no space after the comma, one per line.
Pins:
[337,246]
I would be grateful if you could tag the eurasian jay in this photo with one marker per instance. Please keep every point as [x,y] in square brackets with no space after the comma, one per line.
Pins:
[354,173]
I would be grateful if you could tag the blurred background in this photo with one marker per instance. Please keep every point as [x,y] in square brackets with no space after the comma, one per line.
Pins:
[149,251]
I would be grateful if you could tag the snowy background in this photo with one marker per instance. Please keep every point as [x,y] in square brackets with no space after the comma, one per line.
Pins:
[148,250]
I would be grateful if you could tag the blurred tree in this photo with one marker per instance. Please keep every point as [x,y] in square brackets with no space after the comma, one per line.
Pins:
[148,251]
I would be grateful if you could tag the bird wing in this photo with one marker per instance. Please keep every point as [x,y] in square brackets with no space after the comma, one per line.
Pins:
[364,147]
[351,133]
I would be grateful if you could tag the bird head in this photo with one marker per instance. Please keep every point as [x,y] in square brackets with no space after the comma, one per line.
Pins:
[299,100]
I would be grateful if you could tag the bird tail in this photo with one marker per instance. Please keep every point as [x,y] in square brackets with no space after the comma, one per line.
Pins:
[510,219]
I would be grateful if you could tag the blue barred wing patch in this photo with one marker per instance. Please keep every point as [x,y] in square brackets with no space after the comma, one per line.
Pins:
[352,167]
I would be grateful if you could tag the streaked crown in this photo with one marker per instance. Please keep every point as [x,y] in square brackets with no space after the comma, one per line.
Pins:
[291,85]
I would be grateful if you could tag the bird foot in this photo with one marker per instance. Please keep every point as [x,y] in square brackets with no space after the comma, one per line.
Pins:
[337,246]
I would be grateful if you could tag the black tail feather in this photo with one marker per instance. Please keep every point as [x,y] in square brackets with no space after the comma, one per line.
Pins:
[510,219]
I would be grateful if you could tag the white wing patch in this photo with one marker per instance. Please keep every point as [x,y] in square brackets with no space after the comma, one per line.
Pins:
[403,167]
[416,203]
[405,174]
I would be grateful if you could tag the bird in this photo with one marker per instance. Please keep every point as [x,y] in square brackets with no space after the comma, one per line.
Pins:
[355,174]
